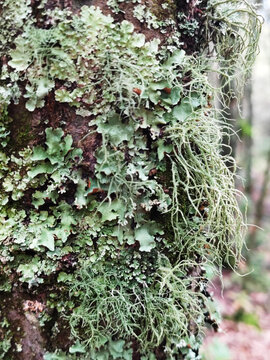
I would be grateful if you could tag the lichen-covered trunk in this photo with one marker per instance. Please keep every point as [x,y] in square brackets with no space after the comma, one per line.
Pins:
[115,199]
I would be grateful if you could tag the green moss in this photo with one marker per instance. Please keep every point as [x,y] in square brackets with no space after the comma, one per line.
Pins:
[21,132]
[164,10]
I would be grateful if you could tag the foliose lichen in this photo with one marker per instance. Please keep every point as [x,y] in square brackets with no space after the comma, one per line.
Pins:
[127,244]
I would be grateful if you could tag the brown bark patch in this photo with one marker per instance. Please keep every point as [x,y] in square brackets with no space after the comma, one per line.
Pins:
[25,329]
[28,128]
[127,14]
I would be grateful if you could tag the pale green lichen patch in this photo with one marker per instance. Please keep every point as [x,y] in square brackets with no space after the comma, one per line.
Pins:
[114,4]
[125,242]
[47,55]
[156,14]
[14,14]
[144,15]
[5,337]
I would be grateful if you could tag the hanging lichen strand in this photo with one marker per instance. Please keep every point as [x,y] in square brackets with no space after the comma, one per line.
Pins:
[115,200]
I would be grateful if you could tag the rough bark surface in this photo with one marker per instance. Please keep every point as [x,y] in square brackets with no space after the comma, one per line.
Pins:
[32,307]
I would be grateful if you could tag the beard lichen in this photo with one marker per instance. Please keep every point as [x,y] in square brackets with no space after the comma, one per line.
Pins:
[128,244]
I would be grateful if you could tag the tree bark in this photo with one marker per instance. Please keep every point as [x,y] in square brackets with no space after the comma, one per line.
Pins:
[103,192]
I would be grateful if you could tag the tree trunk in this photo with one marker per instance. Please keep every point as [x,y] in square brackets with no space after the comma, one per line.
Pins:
[114,195]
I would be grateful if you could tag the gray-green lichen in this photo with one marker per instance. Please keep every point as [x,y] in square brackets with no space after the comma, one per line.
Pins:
[123,243]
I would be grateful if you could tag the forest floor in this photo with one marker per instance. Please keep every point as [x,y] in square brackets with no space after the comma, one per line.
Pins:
[245,330]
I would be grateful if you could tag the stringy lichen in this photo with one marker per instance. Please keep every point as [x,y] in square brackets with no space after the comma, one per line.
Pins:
[130,243]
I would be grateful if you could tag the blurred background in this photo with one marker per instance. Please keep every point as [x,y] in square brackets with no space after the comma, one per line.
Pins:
[244,298]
